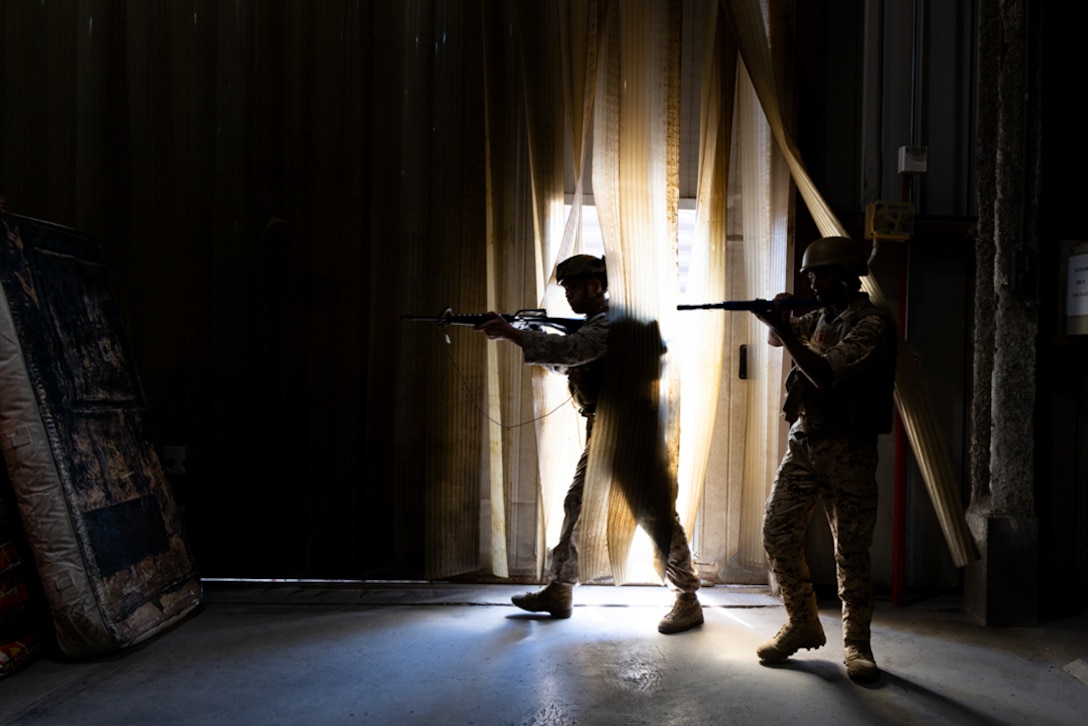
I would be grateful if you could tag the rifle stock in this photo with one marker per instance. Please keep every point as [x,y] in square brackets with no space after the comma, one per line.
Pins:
[528,319]
[756,305]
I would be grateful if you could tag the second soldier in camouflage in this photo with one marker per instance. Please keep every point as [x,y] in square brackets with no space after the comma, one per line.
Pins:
[839,399]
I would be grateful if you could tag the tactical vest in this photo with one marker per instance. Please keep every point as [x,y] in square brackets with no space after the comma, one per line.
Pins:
[584,383]
[861,404]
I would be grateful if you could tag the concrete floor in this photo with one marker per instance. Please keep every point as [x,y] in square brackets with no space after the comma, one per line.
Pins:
[461,654]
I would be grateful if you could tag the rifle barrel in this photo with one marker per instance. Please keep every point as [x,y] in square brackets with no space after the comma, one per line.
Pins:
[757,305]
[529,319]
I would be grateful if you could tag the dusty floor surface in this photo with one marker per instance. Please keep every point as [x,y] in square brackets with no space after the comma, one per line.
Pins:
[461,654]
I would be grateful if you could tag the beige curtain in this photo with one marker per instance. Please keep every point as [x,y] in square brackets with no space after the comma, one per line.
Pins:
[531,435]
[632,462]
[430,154]
[764,264]
[560,429]
[735,416]
[541,75]
[701,337]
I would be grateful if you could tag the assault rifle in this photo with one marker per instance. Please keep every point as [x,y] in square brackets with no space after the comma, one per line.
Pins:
[758,305]
[535,319]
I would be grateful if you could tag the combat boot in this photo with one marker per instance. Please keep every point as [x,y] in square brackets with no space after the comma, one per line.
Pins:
[790,638]
[556,599]
[860,663]
[686,613]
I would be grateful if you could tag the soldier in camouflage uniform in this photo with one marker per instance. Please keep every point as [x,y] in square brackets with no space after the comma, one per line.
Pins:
[839,398]
[581,357]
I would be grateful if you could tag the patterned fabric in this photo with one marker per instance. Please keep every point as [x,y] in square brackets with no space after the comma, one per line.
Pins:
[21,611]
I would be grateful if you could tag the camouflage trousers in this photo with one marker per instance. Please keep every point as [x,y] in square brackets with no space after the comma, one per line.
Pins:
[679,569]
[840,470]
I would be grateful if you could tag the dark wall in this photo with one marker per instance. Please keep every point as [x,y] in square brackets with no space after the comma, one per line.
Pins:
[216,151]
[274,183]
[1062,418]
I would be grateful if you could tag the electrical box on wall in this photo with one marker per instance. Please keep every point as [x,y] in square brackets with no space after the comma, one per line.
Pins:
[912,159]
[889,220]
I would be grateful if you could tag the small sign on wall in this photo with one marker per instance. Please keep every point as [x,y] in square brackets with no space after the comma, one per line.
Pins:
[1075,283]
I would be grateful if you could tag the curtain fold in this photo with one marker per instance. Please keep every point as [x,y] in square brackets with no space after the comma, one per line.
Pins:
[701,341]
[763,277]
[496,461]
[525,137]
[742,430]
[559,428]
[547,77]
[431,150]
[630,475]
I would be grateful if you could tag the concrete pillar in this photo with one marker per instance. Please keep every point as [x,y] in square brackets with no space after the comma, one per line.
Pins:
[1002,588]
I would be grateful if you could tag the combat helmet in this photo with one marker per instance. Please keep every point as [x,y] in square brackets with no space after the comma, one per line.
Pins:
[582,266]
[841,252]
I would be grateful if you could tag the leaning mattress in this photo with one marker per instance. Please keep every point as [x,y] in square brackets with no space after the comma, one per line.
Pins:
[21,606]
[99,515]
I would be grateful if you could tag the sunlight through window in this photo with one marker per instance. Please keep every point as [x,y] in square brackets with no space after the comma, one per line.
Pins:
[594,244]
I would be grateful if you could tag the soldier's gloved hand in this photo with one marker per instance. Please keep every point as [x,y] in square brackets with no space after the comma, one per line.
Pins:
[778,316]
[777,319]
[496,328]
